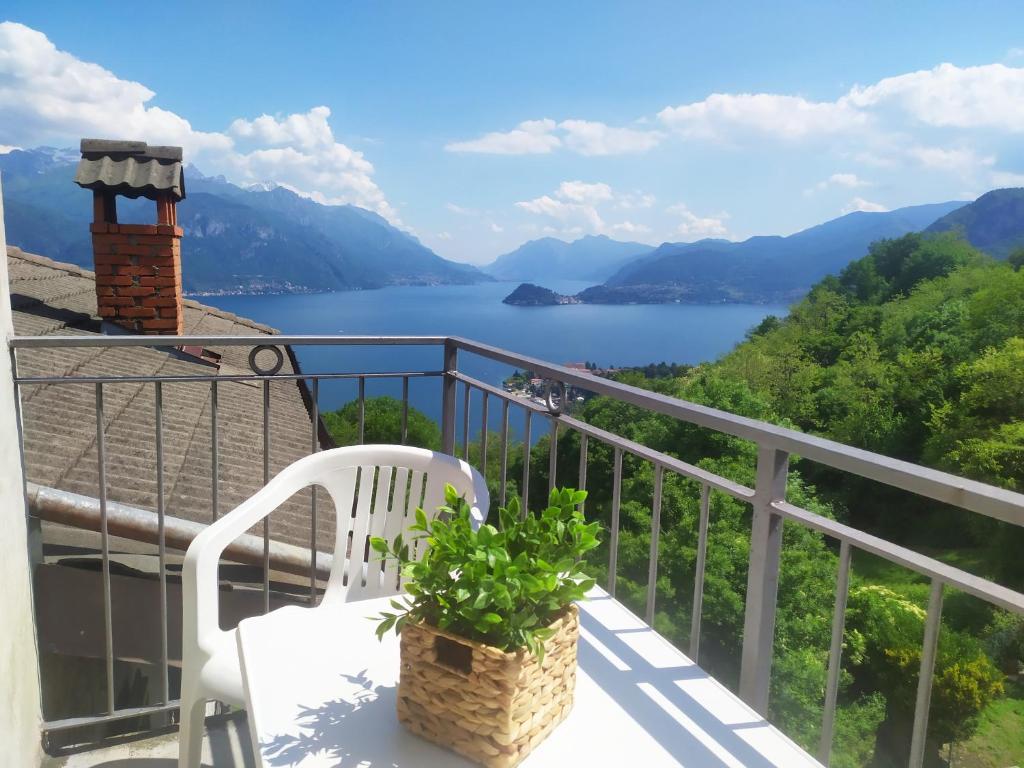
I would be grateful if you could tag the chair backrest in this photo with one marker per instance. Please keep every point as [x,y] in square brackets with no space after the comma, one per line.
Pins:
[376,490]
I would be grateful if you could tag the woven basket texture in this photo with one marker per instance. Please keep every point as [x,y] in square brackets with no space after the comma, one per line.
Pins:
[497,705]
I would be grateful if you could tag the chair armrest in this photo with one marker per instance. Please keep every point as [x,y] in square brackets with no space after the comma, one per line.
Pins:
[200,603]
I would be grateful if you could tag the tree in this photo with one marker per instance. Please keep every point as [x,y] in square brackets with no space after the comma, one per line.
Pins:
[382,424]
[1016,258]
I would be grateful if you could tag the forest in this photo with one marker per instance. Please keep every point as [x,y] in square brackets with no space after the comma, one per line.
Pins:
[914,351]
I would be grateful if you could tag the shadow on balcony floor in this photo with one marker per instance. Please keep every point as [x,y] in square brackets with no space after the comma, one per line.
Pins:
[226,745]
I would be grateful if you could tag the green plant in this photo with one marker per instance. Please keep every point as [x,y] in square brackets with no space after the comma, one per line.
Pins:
[500,586]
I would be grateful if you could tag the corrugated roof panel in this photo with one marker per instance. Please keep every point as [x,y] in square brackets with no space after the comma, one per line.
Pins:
[132,176]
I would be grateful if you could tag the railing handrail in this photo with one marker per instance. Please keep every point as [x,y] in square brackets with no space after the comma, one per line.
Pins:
[130,340]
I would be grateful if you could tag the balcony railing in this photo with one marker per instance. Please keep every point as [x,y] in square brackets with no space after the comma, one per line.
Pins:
[767,499]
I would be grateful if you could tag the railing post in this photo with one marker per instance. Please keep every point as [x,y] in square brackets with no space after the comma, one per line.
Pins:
[763,578]
[448,385]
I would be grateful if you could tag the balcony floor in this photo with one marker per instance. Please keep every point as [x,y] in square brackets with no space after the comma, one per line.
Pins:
[226,745]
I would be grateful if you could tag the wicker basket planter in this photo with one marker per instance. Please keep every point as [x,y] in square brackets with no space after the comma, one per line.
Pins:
[488,705]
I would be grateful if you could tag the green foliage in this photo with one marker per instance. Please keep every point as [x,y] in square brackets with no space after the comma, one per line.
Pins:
[500,586]
[1004,640]
[883,649]
[894,267]
[382,423]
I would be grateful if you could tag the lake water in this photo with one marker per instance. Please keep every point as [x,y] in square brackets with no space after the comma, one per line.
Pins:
[608,335]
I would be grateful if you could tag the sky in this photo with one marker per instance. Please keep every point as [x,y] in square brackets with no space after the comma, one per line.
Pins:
[479,125]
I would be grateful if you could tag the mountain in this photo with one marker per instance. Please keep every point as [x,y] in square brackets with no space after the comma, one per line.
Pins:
[589,258]
[262,239]
[993,223]
[761,269]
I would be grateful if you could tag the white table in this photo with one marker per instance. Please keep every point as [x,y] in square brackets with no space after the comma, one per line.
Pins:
[322,693]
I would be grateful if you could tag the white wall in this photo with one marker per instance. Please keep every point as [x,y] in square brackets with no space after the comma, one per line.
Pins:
[19,669]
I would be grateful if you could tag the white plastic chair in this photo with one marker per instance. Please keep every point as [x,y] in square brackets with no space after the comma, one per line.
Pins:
[375,490]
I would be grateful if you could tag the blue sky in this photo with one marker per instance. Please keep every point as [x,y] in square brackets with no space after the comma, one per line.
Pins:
[480,125]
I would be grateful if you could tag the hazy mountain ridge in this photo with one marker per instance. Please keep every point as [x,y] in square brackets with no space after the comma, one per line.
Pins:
[593,257]
[993,223]
[763,268]
[265,239]
[770,269]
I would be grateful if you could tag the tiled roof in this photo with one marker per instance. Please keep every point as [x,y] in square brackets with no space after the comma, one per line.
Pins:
[48,297]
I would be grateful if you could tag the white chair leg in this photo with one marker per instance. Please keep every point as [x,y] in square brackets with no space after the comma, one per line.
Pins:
[190,728]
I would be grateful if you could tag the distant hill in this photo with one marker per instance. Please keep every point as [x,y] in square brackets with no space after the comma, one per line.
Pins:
[594,257]
[761,269]
[530,295]
[993,223]
[237,240]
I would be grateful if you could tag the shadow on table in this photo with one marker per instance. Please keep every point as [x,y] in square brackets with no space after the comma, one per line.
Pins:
[636,689]
[347,733]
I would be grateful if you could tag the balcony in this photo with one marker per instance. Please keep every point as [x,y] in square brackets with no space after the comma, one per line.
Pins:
[108,544]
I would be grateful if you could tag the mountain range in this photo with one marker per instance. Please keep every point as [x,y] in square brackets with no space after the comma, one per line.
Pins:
[264,239]
[761,269]
[268,239]
[594,257]
[781,269]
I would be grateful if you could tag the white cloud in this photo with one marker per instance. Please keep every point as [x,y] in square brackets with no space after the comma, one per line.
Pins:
[956,160]
[497,228]
[531,137]
[574,216]
[444,235]
[579,207]
[1007,179]
[636,200]
[629,228]
[48,96]
[582,192]
[945,97]
[593,138]
[721,115]
[308,131]
[6,148]
[989,96]
[860,204]
[460,210]
[694,227]
[1014,53]
[540,137]
[845,180]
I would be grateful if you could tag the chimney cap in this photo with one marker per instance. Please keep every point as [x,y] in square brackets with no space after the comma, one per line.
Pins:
[96,148]
[131,168]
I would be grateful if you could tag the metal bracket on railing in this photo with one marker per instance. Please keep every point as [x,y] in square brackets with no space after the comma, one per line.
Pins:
[273,369]
[554,398]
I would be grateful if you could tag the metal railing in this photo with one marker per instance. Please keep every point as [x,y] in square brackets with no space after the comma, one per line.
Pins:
[767,498]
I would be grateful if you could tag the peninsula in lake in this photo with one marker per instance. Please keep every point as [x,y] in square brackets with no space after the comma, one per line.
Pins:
[530,295]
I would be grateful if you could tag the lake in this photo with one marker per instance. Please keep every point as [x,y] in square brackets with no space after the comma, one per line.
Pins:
[609,335]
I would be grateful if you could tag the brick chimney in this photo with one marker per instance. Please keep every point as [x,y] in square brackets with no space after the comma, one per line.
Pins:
[138,266]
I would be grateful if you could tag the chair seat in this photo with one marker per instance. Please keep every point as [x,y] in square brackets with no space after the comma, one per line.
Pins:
[221,672]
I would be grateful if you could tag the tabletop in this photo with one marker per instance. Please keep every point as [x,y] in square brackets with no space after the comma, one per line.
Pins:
[321,692]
